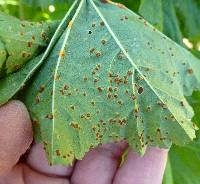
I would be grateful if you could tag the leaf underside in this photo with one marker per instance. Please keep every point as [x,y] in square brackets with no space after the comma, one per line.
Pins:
[16,81]
[21,41]
[111,76]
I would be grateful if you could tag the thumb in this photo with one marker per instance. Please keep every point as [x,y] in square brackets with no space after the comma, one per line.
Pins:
[15,134]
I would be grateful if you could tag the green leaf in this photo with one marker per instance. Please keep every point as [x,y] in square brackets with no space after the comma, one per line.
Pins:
[185,164]
[168,177]
[189,14]
[22,41]
[3,54]
[162,15]
[152,11]
[112,76]
[171,26]
[45,3]
[11,84]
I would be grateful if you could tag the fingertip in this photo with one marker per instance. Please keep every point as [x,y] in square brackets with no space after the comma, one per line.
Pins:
[38,161]
[99,165]
[143,170]
[15,133]
[33,177]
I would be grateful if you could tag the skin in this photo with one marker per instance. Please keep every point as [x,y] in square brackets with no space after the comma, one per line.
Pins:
[99,166]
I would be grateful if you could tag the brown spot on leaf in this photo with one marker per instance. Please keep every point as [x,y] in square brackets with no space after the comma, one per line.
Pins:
[103,41]
[140,90]
[49,116]
[102,23]
[98,54]
[92,50]
[190,71]
[58,153]
[41,89]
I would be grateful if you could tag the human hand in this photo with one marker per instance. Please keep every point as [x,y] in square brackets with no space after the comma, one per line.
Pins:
[99,166]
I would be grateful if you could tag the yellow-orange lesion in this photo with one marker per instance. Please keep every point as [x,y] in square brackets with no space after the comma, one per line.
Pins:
[70,24]
[62,54]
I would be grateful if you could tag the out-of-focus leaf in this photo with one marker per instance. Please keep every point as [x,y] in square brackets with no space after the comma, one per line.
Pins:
[45,3]
[189,14]
[185,164]
[168,177]
[21,41]
[185,161]
[153,12]
[171,26]
[163,16]
[112,76]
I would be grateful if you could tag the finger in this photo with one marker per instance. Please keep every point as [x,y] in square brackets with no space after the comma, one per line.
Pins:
[15,134]
[99,165]
[37,160]
[143,170]
[32,177]
[15,176]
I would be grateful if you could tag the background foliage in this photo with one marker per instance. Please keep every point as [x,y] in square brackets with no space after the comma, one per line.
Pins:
[179,20]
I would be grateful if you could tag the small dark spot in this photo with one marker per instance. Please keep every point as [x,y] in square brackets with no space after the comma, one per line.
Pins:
[100,89]
[66,87]
[115,95]
[109,95]
[182,104]
[93,25]
[129,73]
[98,54]
[92,102]
[158,130]
[92,50]
[30,44]
[89,32]
[148,109]
[88,115]
[58,152]
[85,78]
[140,90]
[133,97]
[72,107]
[110,89]
[103,41]
[190,71]
[136,110]
[33,38]
[49,116]
[96,80]
[41,89]
[43,35]
[37,99]
[102,23]
[23,25]
[24,54]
